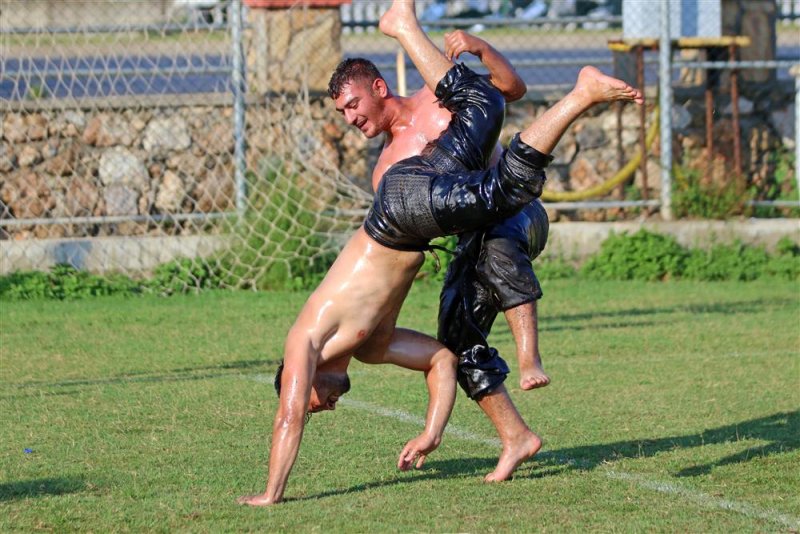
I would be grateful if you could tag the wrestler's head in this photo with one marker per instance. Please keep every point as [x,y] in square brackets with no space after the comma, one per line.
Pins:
[326,389]
[359,92]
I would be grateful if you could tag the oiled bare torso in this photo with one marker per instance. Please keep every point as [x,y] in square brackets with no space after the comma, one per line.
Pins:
[365,285]
[427,122]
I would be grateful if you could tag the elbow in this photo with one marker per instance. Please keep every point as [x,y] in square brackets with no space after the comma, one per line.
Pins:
[515,92]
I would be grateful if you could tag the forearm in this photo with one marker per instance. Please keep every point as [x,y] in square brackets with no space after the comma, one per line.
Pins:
[287,432]
[441,380]
[502,74]
[287,429]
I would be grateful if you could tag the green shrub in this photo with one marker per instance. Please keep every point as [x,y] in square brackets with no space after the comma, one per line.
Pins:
[185,275]
[726,262]
[785,263]
[279,242]
[641,256]
[63,282]
[693,196]
[554,269]
[780,185]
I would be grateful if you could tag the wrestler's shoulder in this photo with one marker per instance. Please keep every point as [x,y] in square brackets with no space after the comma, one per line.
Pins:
[425,101]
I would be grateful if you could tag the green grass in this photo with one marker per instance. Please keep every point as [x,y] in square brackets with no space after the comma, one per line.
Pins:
[674,407]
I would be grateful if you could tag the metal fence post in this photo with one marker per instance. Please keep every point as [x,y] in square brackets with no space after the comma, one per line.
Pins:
[665,103]
[238,80]
[796,73]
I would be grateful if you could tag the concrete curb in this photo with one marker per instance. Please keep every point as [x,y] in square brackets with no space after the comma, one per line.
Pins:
[570,240]
[577,240]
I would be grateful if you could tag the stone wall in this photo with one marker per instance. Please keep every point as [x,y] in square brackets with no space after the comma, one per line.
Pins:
[113,163]
[179,160]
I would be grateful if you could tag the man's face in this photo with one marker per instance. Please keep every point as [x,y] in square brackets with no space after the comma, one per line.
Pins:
[361,103]
[323,397]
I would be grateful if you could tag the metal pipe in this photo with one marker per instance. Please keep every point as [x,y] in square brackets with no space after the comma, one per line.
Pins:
[497,22]
[796,73]
[774,203]
[776,64]
[401,72]
[238,80]
[131,28]
[577,61]
[110,219]
[586,204]
[665,103]
[600,204]
[11,74]
[709,104]
[83,72]
[642,120]
[737,131]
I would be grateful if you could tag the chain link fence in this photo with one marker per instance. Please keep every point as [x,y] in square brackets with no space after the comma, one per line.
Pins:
[123,147]
[199,129]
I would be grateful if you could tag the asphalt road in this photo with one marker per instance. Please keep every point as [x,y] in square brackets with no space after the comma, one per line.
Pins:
[120,75]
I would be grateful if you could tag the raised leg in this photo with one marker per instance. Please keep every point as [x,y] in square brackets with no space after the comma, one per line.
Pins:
[523,321]
[592,88]
[401,23]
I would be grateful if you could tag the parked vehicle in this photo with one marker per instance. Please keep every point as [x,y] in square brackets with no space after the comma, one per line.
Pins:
[199,11]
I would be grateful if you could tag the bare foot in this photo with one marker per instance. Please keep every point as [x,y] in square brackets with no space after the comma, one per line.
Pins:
[533,377]
[399,18]
[514,454]
[597,88]
[255,500]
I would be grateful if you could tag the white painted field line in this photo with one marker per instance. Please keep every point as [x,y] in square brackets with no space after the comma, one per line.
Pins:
[669,488]
[706,500]
[406,417]
[697,497]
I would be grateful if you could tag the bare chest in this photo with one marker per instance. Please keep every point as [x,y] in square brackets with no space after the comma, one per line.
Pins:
[427,126]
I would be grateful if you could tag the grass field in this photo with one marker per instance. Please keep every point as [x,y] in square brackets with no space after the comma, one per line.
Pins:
[673,407]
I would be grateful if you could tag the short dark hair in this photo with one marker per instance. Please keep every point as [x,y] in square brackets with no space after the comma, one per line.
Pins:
[349,70]
[342,383]
[278,375]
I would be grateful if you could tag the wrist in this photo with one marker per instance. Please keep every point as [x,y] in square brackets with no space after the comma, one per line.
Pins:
[433,435]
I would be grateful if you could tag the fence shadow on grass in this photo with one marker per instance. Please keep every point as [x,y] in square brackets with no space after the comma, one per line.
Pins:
[781,431]
[634,317]
[40,487]
[202,372]
[722,308]
[447,469]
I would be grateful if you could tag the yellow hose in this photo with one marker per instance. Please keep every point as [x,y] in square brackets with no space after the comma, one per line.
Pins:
[607,186]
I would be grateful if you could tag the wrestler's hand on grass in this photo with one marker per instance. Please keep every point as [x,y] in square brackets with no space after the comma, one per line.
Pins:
[416,451]
[459,41]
